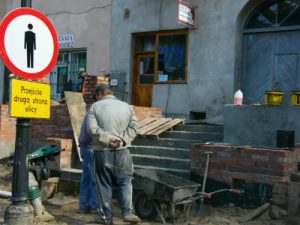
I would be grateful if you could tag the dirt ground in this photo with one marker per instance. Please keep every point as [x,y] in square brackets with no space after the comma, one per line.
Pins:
[69,215]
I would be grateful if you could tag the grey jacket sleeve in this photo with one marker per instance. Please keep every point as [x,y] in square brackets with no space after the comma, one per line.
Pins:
[131,131]
[98,135]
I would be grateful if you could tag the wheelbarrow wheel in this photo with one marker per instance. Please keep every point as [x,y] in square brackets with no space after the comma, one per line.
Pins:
[145,207]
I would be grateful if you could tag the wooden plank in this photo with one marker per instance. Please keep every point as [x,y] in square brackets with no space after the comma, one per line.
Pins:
[255,213]
[153,125]
[167,126]
[77,110]
[293,198]
[146,122]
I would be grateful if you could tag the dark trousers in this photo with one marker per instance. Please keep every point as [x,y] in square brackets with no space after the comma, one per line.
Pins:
[114,168]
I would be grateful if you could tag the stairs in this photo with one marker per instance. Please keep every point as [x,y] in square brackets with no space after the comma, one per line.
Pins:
[170,152]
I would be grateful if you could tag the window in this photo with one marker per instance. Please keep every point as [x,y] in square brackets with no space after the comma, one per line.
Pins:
[64,76]
[170,49]
[280,13]
[171,58]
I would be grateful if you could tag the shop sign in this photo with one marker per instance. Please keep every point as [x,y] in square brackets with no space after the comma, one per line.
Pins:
[66,41]
[186,14]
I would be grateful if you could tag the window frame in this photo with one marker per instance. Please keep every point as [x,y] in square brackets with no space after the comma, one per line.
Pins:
[54,90]
[157,35]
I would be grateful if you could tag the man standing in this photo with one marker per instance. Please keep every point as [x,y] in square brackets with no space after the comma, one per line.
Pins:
[88,194]
[112,125]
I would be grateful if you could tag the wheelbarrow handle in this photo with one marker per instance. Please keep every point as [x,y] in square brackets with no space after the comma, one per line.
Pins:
[236,191]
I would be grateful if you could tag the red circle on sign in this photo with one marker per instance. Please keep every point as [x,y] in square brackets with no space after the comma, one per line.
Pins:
[3,51]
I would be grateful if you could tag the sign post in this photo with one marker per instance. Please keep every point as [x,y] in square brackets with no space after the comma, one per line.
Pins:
[29,48]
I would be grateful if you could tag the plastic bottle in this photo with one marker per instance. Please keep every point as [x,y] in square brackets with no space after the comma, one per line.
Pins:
[238,98]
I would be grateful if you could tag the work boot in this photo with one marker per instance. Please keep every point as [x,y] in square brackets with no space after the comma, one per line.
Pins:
[40,212]
[45,217]
[131,218]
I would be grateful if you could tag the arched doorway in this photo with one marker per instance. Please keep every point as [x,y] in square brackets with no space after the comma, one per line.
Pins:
[271,50]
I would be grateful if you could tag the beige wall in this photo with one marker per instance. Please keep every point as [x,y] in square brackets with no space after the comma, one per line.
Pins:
[90,23]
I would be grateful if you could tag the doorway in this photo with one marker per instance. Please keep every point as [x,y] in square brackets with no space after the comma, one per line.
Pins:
[271,49]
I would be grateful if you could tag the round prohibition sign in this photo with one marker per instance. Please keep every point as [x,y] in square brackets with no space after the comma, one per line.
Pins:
[28,43]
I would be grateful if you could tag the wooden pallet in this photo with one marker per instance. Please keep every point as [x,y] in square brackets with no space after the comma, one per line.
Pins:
[156,126]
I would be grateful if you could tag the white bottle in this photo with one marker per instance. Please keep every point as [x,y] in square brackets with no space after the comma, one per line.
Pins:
[238,98]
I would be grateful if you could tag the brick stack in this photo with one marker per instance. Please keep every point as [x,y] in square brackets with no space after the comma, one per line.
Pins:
[91,83]
[64,159]
[145,112]
[249,164]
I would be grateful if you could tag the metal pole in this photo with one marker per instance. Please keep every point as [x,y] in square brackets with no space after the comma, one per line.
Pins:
[20,173]
[20,212]
[204,179]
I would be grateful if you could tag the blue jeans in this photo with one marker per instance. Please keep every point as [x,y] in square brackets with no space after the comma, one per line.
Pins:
[88,192]
[114,168]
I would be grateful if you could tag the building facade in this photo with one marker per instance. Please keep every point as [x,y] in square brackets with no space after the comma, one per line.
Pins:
[194,71]
[154,60]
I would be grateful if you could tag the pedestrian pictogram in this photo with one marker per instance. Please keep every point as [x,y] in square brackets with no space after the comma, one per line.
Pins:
[28,43]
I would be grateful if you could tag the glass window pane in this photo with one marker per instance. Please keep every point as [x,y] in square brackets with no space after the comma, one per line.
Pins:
[64,76]
[146,44]
[147,70]
[289,15]
[276,14]
[172,58]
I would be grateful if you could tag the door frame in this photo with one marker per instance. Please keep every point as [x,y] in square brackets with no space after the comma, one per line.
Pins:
[136,74]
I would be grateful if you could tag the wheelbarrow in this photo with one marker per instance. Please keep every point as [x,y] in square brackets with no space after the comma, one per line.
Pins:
[156,187]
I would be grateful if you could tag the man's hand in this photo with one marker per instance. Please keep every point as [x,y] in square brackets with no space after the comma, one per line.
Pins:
[115,143]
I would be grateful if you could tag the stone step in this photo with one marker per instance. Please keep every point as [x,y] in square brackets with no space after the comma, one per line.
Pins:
[165,142]
[189,135]
[71,174]
[161,162]
[180,153]
[198,128]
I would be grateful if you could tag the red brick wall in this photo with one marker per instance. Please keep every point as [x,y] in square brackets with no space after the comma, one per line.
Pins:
[59,124]
[7,125]
[250,164]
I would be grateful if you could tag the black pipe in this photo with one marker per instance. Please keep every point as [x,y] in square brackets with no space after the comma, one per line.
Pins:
[26,3]
[20,172]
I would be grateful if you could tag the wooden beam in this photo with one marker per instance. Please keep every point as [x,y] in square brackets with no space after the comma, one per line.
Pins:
[255,213]
[153,125]
[146,121]
[165,127]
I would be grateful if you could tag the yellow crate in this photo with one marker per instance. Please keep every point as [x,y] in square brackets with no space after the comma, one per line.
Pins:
[273,97]
[295,98]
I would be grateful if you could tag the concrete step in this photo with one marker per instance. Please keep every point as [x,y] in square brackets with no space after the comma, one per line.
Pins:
[161,162]
[71,174]
[189,135]
[198,128]
[165,142]
[180,153]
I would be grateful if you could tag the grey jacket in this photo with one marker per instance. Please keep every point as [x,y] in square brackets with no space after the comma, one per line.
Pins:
[109,118]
